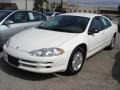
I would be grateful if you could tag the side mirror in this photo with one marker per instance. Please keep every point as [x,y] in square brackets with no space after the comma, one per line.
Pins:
[92,31]
[8,22]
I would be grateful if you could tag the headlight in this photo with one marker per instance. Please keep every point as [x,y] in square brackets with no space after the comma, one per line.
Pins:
[47,52]
[7,43]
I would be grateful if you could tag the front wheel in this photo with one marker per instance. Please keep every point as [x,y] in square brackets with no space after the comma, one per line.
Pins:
[76,61]
[112,44]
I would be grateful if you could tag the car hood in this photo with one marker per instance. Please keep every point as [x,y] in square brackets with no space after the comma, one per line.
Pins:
[34,39]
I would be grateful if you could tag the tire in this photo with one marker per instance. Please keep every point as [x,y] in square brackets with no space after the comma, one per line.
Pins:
[1,49]
[112,44]
[75,65]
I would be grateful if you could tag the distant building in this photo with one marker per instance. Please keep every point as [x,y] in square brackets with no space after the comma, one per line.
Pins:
[21,4]
[77,8]
[29,5]
[101,10]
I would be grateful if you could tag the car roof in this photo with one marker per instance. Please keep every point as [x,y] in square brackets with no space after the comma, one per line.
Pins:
[89,15]
[13,11]
[8,10]
[18,10]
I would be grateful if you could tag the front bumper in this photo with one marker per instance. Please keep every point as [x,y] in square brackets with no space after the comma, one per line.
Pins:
[25,61]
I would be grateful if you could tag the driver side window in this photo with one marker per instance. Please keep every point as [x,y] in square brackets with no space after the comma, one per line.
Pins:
[96,24]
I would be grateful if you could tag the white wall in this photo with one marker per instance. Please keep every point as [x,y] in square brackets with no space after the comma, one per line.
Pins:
[21,3]
[30,5]
[5,1]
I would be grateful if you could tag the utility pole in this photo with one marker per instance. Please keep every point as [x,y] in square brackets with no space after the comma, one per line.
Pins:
[119,7]
[61,6]
[26,4]
[61,3]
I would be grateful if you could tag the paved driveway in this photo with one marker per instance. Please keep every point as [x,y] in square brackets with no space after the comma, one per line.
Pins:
[100,72]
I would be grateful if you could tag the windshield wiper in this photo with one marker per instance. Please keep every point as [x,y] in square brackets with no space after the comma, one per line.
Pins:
[62,30]
[56,29]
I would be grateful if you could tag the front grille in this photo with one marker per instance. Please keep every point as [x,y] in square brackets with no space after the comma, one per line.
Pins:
[12,60]
[29,64]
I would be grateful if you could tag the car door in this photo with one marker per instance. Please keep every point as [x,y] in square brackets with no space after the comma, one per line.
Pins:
[18,23]
[35,19]
[108,32]
[95,40]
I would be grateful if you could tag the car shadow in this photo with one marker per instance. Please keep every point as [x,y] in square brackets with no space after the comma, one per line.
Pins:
[23,74]
[116,67]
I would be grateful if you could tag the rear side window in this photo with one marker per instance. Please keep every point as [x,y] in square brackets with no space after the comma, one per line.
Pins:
[31,16]
[105,22]
[34,16]
[18,17]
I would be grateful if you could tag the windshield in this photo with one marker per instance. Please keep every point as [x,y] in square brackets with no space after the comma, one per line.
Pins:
[3,14]
[64,23]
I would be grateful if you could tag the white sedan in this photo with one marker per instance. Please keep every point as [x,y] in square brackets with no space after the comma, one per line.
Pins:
[61,44]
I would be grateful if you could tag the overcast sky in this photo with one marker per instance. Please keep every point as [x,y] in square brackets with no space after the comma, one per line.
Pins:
[112,3]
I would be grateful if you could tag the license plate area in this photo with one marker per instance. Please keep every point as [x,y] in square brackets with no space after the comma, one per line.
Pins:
[14,61]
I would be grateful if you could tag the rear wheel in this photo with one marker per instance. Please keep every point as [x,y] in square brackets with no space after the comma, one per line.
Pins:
[112,44]
[76,61]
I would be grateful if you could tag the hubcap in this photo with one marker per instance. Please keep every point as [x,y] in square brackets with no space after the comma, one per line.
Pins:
[77,61]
